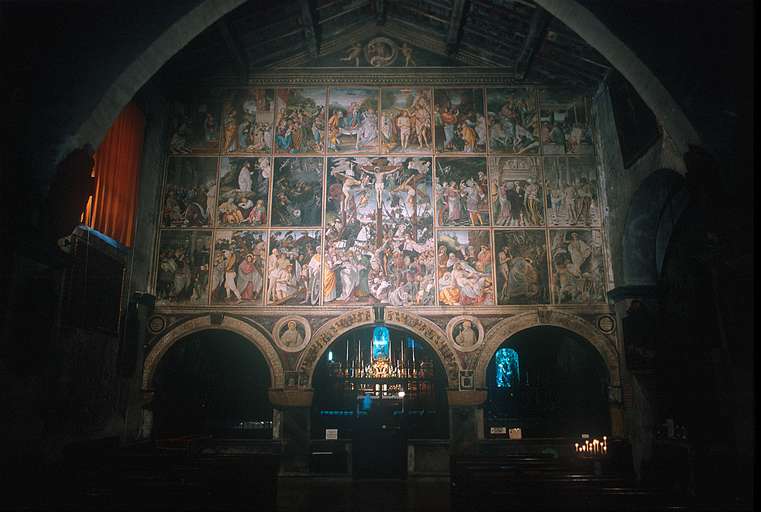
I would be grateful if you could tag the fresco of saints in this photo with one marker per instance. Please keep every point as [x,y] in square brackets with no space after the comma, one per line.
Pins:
[461,192]
[194,127]
[291,335]
[190,192]
[294,268]
[577,266]
[513,121]
[183,267]
[566,123]
[248,118]
[406,121]
[243,191]
[521,267]
[353,120]
[237,273]
[459,120]
[517,191]
[297,192]
[300,120]
[379,232]
[463,279]
[573,198]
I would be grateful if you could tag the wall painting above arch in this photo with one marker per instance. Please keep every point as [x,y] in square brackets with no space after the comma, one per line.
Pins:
[513,121]
[300,120]
[244,184]
[183,267]
[517,191]
[248,117]
[577,266]
[189,192]
[237,272]
[297,192]
[194,127]
[353,120]
[379,231]
[459,120]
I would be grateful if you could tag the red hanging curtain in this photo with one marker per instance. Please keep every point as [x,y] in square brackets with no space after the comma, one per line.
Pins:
[111,209]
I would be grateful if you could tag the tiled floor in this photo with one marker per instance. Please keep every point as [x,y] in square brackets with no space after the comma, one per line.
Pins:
[346,495]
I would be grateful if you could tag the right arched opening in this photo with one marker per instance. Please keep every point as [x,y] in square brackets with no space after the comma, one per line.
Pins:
[549,382]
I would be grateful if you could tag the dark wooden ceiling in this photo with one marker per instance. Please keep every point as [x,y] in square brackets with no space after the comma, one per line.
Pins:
[513,34]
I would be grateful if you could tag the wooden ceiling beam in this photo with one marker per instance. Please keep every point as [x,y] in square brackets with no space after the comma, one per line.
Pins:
[540,20]
[239,56]
[456,22]
[310,28]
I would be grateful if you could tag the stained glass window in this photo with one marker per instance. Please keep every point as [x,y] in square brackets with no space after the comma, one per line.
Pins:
[508,367]
[380,343]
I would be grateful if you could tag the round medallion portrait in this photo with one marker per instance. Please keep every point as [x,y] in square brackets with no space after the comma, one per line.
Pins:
[292,333]
[465,332]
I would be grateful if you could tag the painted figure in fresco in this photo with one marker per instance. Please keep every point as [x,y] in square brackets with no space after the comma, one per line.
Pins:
[244,177]
[448,119]
[297,192]
[403,122]
[299,124]
[467,337]
[353,54]
[503,260]
[230,275]
[577,266]
[406,52]
[379,244]
[289,265]
[249,280]
[461,192]
[291,337]
[312,273]
[513,123]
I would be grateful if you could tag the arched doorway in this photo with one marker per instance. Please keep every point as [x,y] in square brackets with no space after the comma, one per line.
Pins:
[549,382]
[212,383]
[375,387]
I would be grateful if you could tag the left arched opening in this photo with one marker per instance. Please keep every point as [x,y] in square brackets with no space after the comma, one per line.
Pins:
[212,383]
[550,383]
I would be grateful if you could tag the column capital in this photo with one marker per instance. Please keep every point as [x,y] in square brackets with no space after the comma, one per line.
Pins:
[283,398]
[468,398]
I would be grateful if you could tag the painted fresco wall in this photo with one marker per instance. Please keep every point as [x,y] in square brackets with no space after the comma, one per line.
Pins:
[444,197]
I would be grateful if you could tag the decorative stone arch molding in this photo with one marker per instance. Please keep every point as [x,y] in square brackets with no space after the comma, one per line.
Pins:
[202,323]
[425,329]
[327,334]
[434,335]
[509,326]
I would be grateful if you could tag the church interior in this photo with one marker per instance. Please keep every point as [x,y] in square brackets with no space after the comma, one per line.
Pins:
[377,255]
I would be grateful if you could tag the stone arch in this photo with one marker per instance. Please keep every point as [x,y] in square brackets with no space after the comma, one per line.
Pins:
[651,90]
[654,210]
[425,329]
[509,326]
[141,69]
[202,323]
